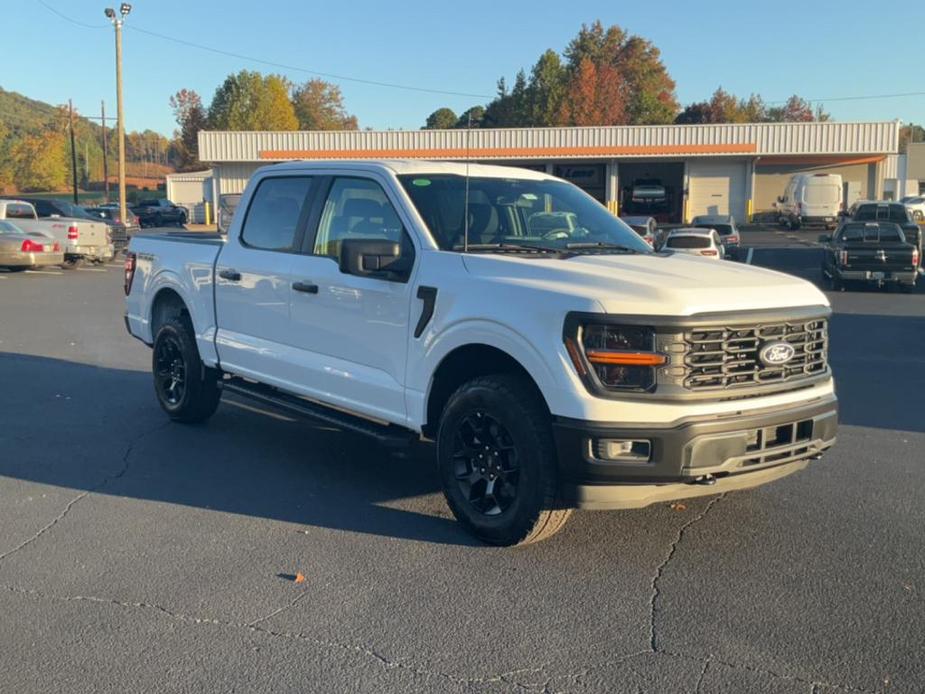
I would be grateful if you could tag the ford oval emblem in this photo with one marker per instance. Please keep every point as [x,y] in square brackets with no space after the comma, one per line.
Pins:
[776,353]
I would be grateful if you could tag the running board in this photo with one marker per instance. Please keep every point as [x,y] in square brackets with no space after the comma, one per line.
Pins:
[388,435]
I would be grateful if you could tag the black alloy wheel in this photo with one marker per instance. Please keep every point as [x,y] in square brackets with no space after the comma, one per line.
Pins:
[170,371]
[485,463]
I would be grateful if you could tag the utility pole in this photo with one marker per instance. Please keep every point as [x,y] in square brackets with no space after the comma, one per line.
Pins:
[105,152]
[117,21]
[70,109]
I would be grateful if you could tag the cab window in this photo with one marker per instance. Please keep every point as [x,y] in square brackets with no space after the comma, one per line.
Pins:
[272,220]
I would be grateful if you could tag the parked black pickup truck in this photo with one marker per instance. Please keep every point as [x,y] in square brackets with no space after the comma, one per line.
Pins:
[890,212]
[871,252]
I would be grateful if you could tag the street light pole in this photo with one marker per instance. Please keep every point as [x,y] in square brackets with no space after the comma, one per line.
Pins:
[117,21]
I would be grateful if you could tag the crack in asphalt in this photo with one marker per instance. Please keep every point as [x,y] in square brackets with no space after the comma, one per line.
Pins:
[70,504]
[383,660]
[659,571]
[508,678]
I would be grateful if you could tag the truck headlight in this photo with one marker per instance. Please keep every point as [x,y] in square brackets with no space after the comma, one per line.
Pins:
[622,357]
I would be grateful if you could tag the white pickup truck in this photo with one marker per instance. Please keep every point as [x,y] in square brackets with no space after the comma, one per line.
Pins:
[555,367]
[81,237]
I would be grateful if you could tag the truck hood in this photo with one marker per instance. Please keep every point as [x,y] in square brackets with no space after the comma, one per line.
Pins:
[652,284]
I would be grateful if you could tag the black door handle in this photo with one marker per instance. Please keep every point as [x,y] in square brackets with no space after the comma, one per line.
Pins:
[232,275]
[306,287]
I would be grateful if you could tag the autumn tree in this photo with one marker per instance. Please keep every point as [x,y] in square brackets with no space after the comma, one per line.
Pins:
[911,133]
[319,105]
[249,100]
[594,96]
[441,119]
[795,110]
[190,115]
[39,161]
[6,178]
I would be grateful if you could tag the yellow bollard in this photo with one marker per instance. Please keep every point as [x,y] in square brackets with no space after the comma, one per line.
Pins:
[749,211]
[208,217]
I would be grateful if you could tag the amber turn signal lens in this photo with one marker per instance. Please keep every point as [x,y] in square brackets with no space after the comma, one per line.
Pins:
[597,356]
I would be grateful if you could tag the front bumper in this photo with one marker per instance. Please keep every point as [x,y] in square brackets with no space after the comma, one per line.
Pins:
[733,452]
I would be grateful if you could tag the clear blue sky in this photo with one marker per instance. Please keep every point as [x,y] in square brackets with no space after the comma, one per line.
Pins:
[738,44]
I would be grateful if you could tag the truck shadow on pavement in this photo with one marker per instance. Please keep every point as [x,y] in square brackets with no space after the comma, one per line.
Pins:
[99,429]
[94,428]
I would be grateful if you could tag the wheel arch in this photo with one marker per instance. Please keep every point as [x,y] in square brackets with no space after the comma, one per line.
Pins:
[167,302]
[462,364]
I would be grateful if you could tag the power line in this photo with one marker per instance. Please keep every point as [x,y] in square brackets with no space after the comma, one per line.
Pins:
[261,61]
[309,71]
[856,97]
[70,19]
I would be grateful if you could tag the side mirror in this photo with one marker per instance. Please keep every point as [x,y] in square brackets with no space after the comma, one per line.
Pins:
[374,258]
[824,238]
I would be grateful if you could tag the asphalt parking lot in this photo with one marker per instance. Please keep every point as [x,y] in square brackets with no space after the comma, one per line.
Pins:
[138,555]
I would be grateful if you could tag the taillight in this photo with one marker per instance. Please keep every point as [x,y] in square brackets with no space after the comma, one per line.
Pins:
[56,248]
[732,239]
[129,272]
[915,257]
[708,252]
[843,257]
[32,247]
[72,232]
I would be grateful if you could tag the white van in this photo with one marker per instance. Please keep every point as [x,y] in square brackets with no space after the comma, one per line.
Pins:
[811,199]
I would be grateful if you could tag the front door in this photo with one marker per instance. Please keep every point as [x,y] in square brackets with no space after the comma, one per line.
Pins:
[252,283]
[351,332]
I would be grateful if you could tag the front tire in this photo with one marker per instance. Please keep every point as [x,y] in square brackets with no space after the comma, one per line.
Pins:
[497,461]
[186,389]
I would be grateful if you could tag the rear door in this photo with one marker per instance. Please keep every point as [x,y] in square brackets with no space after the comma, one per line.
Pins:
[252,280]
[351,332]
[821,197]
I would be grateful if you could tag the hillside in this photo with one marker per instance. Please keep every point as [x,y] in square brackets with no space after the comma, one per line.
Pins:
[35,148]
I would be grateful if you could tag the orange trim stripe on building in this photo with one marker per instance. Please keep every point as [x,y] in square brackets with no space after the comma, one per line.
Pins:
[827,160]
[508,153]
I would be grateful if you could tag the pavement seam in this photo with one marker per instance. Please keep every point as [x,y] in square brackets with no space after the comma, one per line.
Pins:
[70,504]
[660,570]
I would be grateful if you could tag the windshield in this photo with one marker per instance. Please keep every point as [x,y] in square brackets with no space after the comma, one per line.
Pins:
[70,210]
[545,214]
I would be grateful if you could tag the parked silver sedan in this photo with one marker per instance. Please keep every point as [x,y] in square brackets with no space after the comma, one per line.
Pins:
[22,250]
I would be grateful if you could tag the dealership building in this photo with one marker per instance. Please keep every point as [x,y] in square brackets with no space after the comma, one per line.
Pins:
[737,169]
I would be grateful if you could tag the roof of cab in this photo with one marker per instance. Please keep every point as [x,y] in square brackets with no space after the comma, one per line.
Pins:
[411,166]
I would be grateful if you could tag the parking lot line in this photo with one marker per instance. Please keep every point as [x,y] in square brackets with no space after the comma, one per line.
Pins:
[42,272]
[90,269]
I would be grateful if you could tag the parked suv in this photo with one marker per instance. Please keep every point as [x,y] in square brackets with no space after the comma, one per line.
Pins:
[159,212]
[553,357]
[725,226]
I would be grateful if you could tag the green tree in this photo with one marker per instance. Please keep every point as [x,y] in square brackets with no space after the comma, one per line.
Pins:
[441,119]
[319,105]
[546,90]
[6,178]
[190,115]
[476,113]
[251,101]
[649,90]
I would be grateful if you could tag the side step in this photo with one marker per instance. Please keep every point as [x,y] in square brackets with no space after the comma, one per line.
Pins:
[388,435]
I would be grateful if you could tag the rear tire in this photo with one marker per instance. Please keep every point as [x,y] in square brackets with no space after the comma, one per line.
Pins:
[186,389]
[72,264]
[497,461]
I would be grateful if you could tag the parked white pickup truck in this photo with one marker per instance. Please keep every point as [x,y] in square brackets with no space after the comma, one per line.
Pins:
[82,239]
[555,367]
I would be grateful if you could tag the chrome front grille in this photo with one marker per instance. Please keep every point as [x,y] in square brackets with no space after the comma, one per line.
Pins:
[726,357]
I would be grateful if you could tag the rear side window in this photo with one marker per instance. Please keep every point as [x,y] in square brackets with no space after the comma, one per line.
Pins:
[273,215]
[19,211]
[688,242]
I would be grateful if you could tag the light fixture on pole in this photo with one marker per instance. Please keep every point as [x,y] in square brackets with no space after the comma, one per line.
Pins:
[117,21]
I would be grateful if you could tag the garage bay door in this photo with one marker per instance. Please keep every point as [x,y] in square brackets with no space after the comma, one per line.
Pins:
[716,188]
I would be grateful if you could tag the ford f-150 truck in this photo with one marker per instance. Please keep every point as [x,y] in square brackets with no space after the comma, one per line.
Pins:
[554,366]
[80,236]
